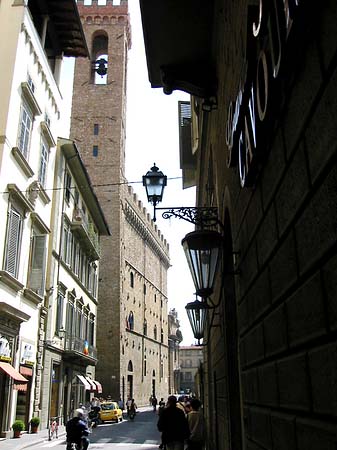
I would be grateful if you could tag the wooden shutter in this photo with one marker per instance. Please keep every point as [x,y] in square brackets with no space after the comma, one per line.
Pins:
[37,269]
[13,242]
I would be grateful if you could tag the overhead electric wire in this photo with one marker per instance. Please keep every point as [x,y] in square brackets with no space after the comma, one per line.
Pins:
[91,185]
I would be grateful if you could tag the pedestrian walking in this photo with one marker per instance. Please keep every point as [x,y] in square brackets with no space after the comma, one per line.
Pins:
[173,425]
[121,404]
[154,403]
[196,426]
[161,405]
[128,405]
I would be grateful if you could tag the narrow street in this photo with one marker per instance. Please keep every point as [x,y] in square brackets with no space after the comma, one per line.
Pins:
[141,433]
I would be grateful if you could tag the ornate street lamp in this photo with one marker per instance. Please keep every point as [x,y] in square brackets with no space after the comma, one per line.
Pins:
[202,250]
[154,182]
[202,247]
[197,315]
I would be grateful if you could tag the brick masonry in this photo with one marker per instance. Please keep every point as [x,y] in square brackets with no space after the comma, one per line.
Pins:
[135,244]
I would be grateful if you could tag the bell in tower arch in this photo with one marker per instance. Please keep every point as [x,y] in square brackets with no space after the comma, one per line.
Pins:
[101,67]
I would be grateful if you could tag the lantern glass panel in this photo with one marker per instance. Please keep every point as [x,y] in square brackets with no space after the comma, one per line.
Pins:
[154,182]
[202,250]
[197,316]
[154,187]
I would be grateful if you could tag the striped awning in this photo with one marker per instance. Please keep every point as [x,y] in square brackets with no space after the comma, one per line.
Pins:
[85,382]
[99,387]
[93,386]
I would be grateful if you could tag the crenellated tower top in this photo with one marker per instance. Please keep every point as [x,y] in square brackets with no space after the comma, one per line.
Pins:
[105,12]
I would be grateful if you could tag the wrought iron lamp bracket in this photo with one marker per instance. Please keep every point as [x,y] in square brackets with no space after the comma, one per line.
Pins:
[200,216]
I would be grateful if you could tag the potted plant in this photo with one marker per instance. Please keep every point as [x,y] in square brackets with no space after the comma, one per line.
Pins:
[34,424]
[18,426]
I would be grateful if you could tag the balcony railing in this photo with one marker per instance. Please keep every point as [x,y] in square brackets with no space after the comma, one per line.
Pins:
[79,347]
[86,233]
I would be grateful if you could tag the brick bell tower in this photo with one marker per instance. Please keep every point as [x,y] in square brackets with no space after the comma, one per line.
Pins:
[98,128]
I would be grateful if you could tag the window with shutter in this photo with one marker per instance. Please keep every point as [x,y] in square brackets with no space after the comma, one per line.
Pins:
[13,242]
[37,268]
[71,316]
[91,329]
[25,128]
[59,311]
[43,163]
[68,186]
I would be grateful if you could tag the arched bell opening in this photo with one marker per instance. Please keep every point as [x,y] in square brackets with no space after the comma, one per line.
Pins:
[99,52]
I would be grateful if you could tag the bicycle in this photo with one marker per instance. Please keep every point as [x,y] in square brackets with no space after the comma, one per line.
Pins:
[53,428]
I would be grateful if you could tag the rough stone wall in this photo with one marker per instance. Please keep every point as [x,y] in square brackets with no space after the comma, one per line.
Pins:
[285,228]
[146,258]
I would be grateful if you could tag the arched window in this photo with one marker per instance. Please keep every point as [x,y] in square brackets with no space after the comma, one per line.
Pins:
[130,321]
[161,368]
[130,366]
[132,281]
[99,53]
[144,366]
[145,327]
[162,336]
[155,332]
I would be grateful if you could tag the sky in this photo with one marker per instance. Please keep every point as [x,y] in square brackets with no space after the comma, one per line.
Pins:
[152,136]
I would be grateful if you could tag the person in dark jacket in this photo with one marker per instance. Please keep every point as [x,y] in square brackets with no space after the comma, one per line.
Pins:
[154,403]
[77,430]
[173,425]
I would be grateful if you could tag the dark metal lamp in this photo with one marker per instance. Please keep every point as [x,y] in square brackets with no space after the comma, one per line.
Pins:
[197,315]
[202,250]
[154,182]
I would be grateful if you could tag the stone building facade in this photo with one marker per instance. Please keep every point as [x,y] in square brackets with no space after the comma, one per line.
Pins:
[191,357]
[34,39]
[174,339]
[135,259]
[264,138]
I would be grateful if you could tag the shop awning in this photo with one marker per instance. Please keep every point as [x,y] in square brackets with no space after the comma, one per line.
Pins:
[15,375]
[99,387]
[93,386]
[27,371]
[20,387]
[85,382]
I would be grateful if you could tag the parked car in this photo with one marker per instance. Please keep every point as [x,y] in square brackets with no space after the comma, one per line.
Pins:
[110,411]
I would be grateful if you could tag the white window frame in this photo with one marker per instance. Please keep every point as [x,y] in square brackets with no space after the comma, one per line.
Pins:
[44,158]
[25,129]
